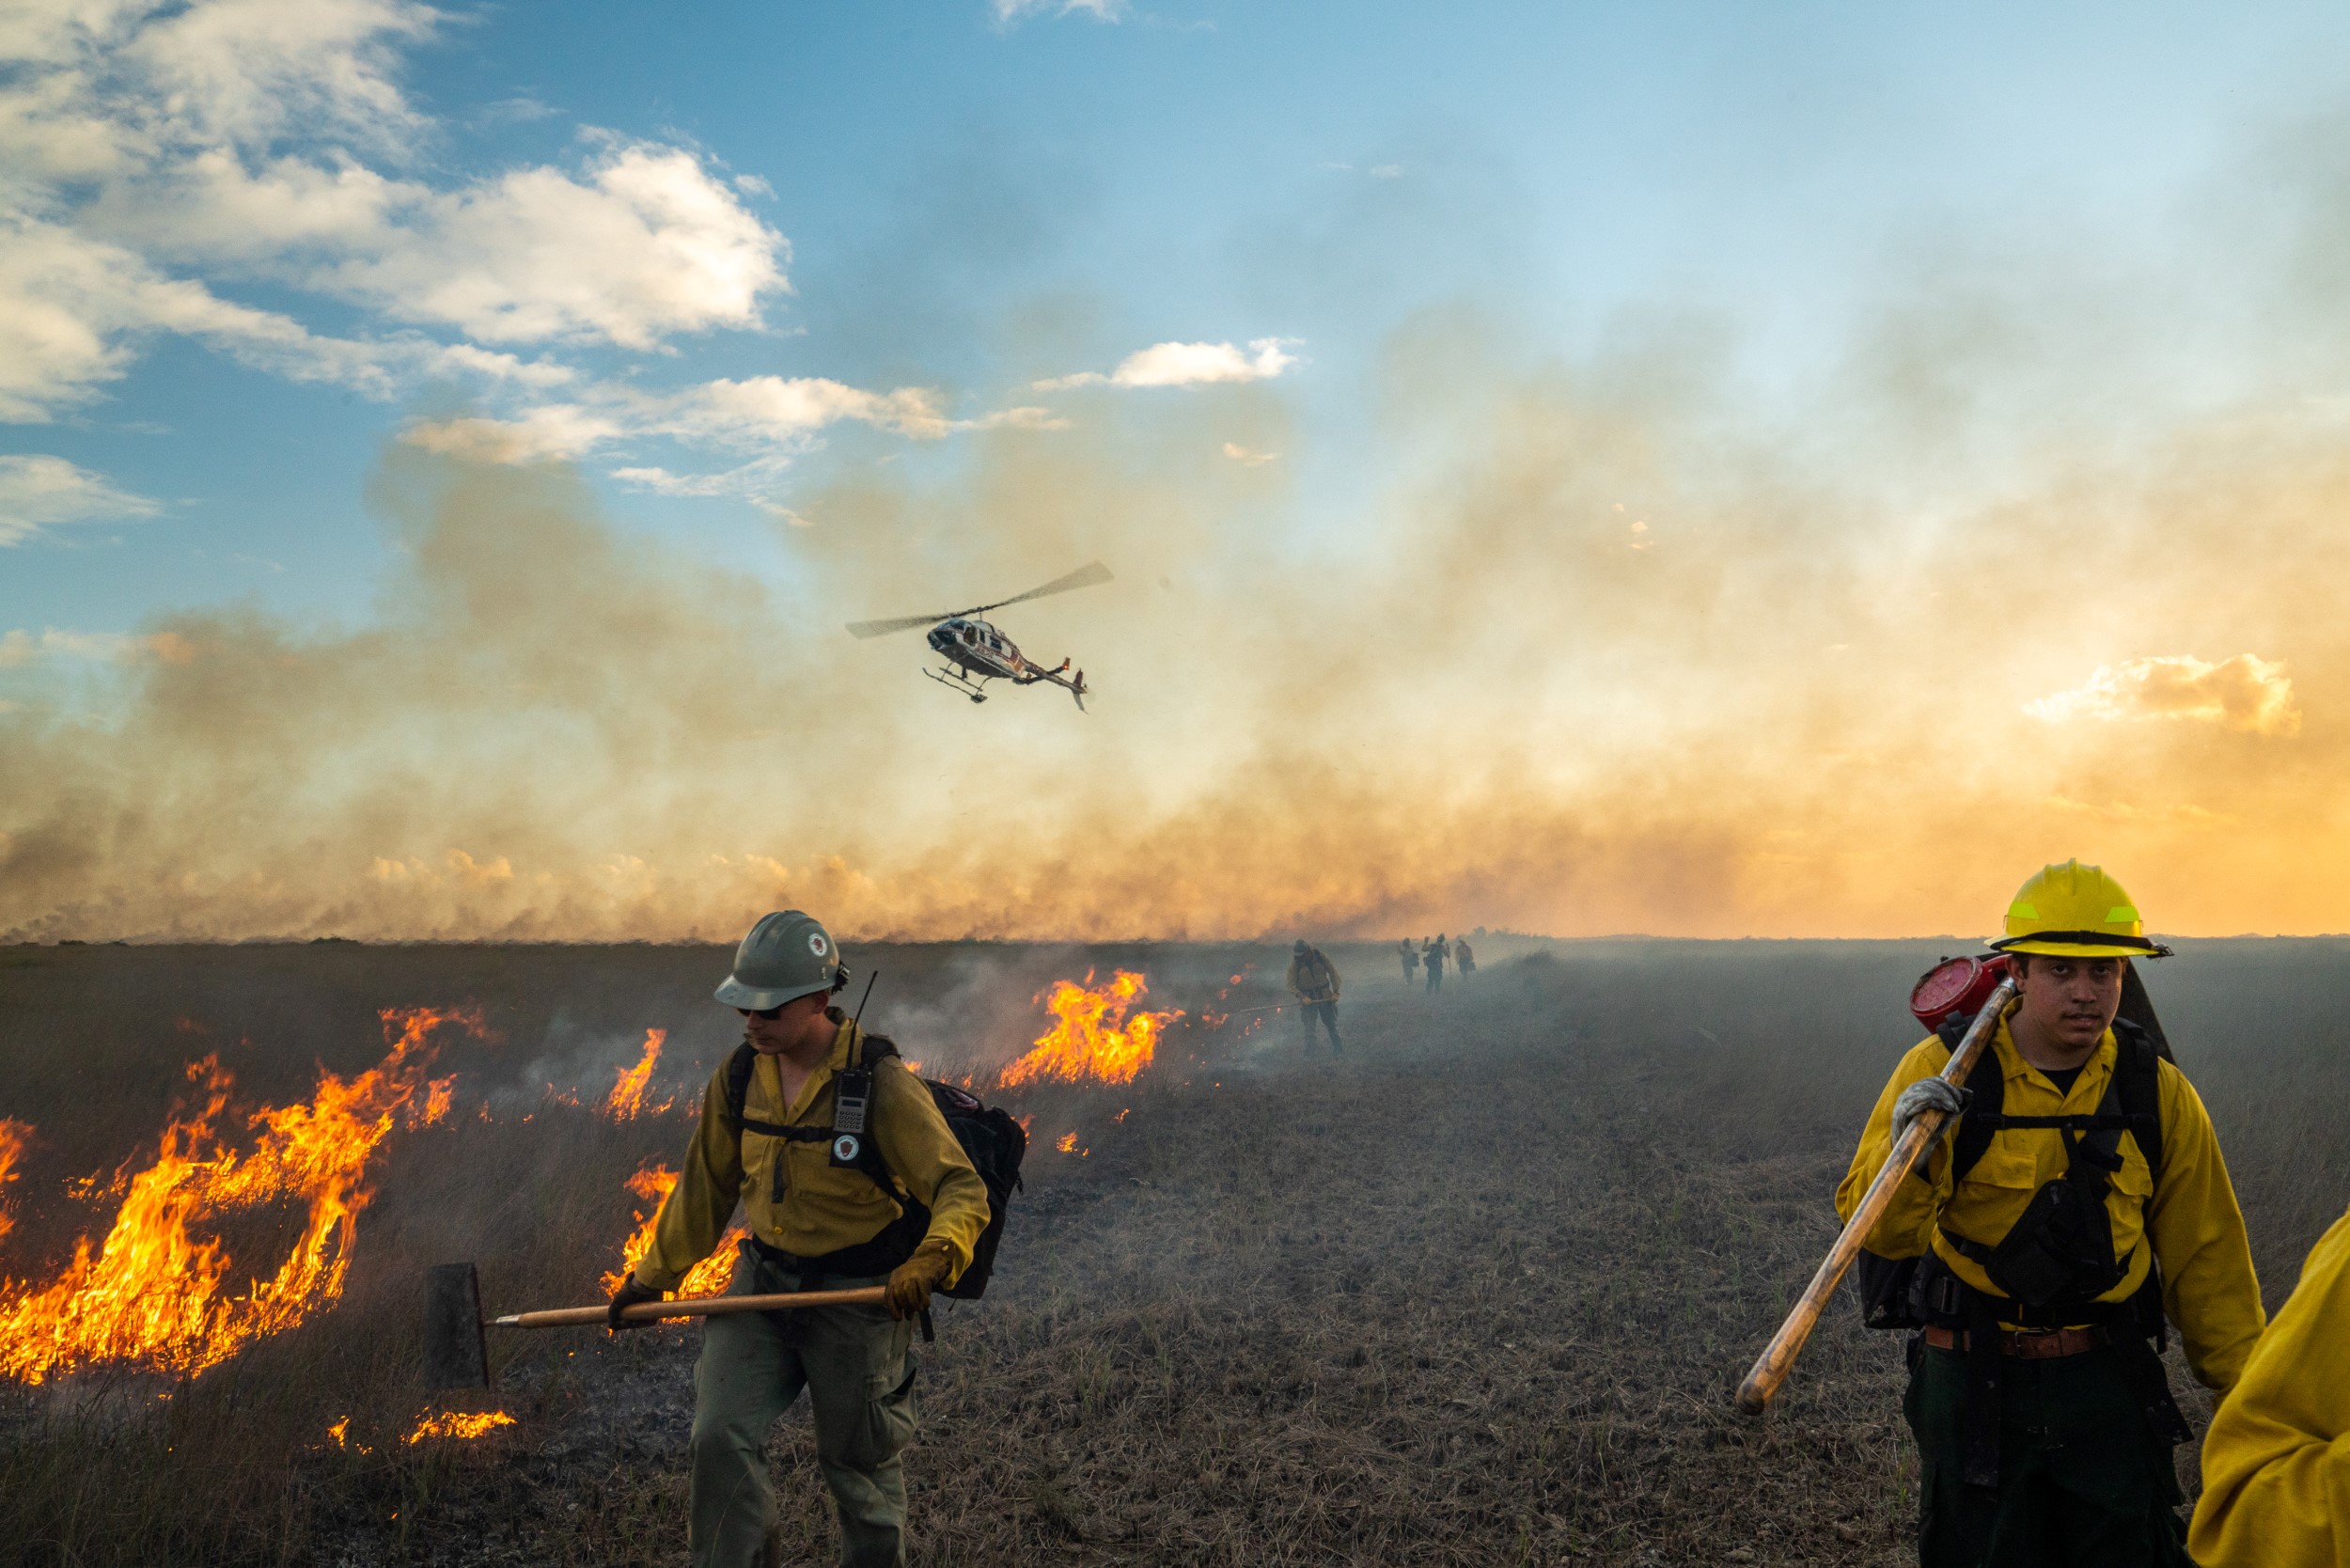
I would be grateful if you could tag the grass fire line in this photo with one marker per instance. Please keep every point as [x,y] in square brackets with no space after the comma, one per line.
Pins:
[1770,1369]
[1098,1035]
[155,1295]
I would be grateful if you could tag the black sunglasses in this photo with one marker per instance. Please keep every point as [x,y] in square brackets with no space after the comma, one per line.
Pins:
[769,1013]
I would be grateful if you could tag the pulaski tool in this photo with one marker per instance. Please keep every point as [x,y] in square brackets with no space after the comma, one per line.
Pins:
[1778,1359]
[456,1342]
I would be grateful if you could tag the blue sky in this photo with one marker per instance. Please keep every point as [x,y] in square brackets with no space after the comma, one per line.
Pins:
[1198,174]
[1316,305]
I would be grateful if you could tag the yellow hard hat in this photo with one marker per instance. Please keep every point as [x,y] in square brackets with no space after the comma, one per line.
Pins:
[2076,911]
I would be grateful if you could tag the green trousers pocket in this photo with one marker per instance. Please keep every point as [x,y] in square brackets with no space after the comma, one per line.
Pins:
[879,1431]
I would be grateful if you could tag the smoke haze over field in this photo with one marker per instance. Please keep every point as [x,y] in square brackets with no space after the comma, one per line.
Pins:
[1589,663]
[1447,595]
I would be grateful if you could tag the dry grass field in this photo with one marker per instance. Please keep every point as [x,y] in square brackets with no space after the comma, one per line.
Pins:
[1476,1294]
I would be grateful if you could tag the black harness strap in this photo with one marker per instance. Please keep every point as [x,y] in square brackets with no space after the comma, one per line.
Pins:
[899,1236]
[2131,1105]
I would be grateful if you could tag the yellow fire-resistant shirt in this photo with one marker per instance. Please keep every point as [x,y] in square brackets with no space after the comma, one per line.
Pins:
[793,1195]
[2277,1460]
[2191,1216]
[1313,978]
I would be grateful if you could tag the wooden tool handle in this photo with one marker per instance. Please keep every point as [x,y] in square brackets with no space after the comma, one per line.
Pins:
[1778,1359]
[694,1307]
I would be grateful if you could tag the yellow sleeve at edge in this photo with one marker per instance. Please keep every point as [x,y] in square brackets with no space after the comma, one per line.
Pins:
[2277,1460]
[2208,1288]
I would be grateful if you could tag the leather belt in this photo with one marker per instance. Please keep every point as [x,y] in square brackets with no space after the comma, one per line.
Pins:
[2047,1346]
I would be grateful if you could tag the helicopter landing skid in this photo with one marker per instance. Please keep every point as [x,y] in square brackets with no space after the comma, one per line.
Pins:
[957,681]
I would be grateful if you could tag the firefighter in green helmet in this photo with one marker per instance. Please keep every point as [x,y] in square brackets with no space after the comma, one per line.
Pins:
[2076,1209]
[768,1139]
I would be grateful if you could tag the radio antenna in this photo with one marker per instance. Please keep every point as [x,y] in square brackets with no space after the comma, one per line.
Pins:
[859,1019]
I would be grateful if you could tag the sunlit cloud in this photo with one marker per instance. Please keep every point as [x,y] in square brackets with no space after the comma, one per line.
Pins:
[1187,365]
[2247,693]
[39,491]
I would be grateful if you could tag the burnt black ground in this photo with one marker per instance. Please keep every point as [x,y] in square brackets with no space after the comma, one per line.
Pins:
[1478,1293]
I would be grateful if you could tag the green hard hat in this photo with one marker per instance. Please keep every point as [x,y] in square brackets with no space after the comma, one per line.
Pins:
[788,954]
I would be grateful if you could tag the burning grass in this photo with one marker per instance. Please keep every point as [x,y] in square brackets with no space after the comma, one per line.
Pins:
[159,1293]
[1477,1294]
[1098,1035]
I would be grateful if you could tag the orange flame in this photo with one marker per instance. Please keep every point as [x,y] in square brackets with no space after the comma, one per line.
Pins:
[459,1425]
[154,1296]
[1091,1037]
[627,1100]
[710,1277]
[1067,1145]
[14,1136]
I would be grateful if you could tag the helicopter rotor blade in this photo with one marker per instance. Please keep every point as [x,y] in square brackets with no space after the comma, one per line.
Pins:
[1085,576]
[902,623]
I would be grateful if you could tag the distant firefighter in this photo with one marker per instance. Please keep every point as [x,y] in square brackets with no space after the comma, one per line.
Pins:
[1433,956]
[1313,980]
[1410,955]
[1464,961]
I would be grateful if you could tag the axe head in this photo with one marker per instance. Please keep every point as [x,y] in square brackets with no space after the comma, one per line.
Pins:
[455,1356]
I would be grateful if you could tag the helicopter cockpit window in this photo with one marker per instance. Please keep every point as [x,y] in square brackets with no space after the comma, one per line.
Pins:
[970,635]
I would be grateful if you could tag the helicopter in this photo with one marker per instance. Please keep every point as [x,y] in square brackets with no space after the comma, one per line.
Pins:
[976,652]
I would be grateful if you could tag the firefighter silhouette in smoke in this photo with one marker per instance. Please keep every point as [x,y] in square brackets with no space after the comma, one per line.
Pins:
[1433,956]
[1410,955]
[1313,980]
[1464,961]
[2076,1208]
[2277,1459]
[818,1221]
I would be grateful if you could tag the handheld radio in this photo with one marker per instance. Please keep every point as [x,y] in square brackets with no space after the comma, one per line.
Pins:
[853,1097]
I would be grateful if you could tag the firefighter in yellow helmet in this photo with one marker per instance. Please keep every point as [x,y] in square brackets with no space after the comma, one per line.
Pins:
[903,1209]
[2277,1459]
[2076,1210]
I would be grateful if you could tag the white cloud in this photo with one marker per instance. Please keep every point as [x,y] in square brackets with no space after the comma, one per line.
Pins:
[766,409]
[1246,458]
[1188,364]
[37,493]
[644,244]
[2247,693]
[141,140]
[550,433]
[1010,12]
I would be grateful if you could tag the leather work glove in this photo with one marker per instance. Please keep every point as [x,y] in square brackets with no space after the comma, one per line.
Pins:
[629,1295]
[1925,1095]
[912,1282]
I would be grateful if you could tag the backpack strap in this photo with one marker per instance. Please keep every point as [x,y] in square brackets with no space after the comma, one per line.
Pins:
[739,1069]
[1986,1091]
[2138,1079]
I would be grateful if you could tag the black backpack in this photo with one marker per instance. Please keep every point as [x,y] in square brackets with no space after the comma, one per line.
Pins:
[991,1139]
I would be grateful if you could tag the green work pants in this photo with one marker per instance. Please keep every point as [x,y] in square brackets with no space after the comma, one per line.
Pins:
[2083,1483]
[856,1365]
[1327,1011]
